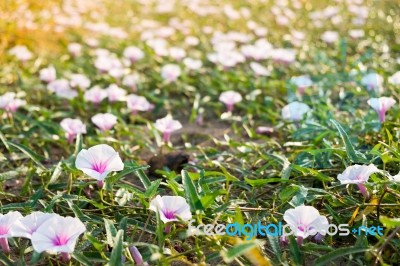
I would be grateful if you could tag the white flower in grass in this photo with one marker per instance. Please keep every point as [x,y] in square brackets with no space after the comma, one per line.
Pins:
[47,74]
[80,81]
[170,72]
[381,105]
[170,208]
[192,64]
[167,125]
[58,234]
[27,225]
[301,82]
[395,78]
[98,161]
[7,221]
[115,93]
[305,221]
[75,49]
[21,52]
[259,69]
[230,98]
[104,121]
[95,95]
[137,103]
[72,128]
[372,81]
[133,53]
[358,174]
[295,111]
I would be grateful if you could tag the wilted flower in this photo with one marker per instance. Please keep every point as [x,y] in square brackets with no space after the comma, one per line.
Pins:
[372,81]
[381,105]
[58,234]
[230,98]
[137,257]
[74,49]
[137,103]
[259,69]
[80,81]
[170,72]
[6,223]
[47,74]
[27,225]
[104,121]
[115,93]
[305,221]
[72,128]
[295,111]
[301,82]
[133,53]
[95,95]
[21,52]
[167,125]
[170,208]
[98,161]
[358,174]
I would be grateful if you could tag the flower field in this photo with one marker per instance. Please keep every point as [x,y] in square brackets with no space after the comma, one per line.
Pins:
[186,132]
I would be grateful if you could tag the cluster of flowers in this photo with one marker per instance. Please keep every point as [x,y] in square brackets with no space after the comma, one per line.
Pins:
[48,232]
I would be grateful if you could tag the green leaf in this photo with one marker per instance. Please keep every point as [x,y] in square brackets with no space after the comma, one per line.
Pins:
[111,231]
[341,252]
[152,190]
[81,259]
[353,155]
[116,253]
[295,251]
[389,222]
[191,192]
[6,261]
[261,182]
[31,154]
[56,173]
[274,242]
[78,144]
[239,249]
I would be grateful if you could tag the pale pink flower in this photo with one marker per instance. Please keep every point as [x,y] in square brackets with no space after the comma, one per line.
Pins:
[301,82]
[7,221]
[27,225]
[58,234]
[381,105]
[372,81]
[395,78]
[330,37]
[192,64]
[133,53]
[10,103]
[131,81]
[95,95]
[177,53]
[230,98]
[74,49]
[72,128]
[284,56]
[80,81]
[295,111]
[104,121]
[305,221]
[170,208]
[47,74]
[138,103]
[21,52]
[167,125]
[98,161]
[170,72]
[58,84]
[259,69]
[115,93]
[192,40]
[358,174]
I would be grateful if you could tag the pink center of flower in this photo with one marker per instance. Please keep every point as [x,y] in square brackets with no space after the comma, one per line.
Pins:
[60,240]
[3,230]
[99,167]
[169,214]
